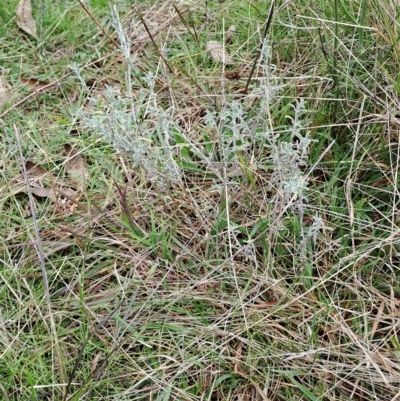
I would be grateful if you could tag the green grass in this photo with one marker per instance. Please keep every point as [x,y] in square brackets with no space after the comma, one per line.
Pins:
[184,268]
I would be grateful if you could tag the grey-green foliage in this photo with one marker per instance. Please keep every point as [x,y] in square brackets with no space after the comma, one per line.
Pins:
[144,130]
[136,126]
[290,161]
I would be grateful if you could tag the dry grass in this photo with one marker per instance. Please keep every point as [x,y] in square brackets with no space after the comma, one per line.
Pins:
[191,271]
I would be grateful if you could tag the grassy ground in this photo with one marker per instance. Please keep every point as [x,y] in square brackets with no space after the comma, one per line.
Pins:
[179,237]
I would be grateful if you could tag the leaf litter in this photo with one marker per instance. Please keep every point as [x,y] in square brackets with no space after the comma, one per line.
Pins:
[43,184]
[76,168]
[6,91]
[25,19]
[218,53]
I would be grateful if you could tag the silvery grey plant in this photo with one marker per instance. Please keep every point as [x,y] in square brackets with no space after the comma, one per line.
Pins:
[142,129]
[290,160]
[136,126]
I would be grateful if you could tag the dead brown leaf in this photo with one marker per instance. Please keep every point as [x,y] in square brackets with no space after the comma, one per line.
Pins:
[5,91]
[233,75]
[65,195]
[25,20]
[35,174]
[35,170]
[41,191]
[34,83]
[76,167]
[218,53]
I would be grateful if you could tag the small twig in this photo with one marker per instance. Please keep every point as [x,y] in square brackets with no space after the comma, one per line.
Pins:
[153,41]
[125,208]
[271,13]
[194,34]
[99,25]
[160,53]
[323,48]
[39,250]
